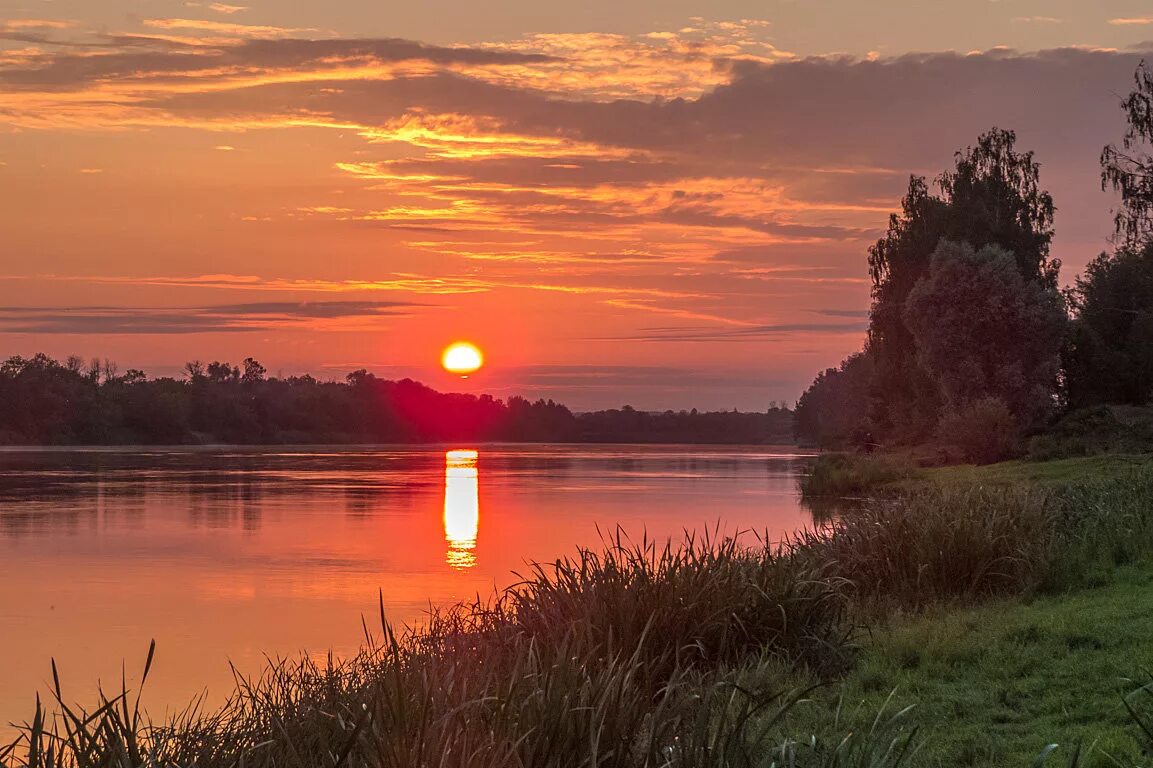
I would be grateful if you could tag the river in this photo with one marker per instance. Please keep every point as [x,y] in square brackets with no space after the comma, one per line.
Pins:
[229,554]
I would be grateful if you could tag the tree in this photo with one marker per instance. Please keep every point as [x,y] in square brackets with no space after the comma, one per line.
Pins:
[982,330]
[992,196]
[833,411]
[194,370]
[219,372]
[1129,169]
[253,371]
[1109,355]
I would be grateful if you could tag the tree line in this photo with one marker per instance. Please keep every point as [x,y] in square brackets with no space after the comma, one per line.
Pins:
[45,401]
[971,341]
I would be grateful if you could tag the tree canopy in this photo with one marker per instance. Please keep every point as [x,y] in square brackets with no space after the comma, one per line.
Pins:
[1128,169]
[992,196]
[1109,355]
[982,330]
[43,401]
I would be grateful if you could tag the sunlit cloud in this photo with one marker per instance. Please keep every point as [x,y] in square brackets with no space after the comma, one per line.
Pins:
[697,173]
[256,31]
[12,24]
[1132,21]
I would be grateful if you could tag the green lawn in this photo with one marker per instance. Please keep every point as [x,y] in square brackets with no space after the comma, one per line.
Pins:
[1060,471]
[993,685]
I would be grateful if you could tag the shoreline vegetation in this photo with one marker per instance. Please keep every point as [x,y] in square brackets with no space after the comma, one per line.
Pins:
[47,402]
[861,641]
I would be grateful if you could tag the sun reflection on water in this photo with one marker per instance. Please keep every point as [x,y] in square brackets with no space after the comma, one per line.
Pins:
[461,507]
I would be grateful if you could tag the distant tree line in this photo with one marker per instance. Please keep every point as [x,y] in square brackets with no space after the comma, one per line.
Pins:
[971,343]
[44,401]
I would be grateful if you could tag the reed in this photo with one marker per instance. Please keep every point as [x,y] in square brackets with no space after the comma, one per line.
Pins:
[847,475]
[637,655]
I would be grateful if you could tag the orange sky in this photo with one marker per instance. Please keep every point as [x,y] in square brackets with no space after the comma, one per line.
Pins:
[619,204]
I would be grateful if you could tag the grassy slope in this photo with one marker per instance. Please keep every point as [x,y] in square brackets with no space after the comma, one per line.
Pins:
[994,684]
[1042,472]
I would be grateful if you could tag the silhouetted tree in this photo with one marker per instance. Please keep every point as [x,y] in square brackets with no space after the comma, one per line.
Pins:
[833,411]
[1129,169]
[43,401]
[1109,355]
[253,371]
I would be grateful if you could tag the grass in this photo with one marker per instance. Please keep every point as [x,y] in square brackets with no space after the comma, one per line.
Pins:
[1045,473]
[846,474]
[840,475]
[994,684]
[704,655]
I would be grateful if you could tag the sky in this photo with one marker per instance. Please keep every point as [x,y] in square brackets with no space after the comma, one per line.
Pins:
[666,204]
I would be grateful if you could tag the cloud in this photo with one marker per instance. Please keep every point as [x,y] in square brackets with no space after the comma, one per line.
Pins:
[221,318]
[227,28]
[856,313]
[694,174]
[752,333]
[1136,21]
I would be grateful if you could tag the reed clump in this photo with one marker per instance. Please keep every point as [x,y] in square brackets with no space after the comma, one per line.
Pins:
[937,544]
[849,474]
[636,655]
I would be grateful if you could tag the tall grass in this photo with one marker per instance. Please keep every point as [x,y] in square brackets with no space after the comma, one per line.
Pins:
[936,544]
[637,655]
[845,474]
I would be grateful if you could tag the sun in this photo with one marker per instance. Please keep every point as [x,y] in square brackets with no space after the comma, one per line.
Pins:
[462,358]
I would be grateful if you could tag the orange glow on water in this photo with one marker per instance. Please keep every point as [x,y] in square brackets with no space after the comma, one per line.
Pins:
[461,507]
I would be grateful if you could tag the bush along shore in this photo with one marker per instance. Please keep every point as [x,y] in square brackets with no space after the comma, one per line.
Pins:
[712,653]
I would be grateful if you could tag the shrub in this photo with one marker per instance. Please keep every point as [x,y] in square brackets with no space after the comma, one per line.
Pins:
[984,431]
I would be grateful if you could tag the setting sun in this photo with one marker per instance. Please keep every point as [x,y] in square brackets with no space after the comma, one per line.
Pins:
[462,358]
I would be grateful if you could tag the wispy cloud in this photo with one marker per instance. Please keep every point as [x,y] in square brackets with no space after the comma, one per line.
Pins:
[1132,21]
[256,31]
[220,318]
[745,334]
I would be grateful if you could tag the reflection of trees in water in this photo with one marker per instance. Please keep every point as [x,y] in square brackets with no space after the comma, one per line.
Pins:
[364,499]
[40,518]
[826,509]
[238,503]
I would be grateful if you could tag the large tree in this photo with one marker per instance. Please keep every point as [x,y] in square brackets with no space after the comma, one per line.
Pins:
[1109,356]
[983,330]
[1129,168]
[991,197]
[833,411]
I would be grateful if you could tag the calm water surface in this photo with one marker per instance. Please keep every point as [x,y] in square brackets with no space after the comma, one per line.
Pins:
[231,554]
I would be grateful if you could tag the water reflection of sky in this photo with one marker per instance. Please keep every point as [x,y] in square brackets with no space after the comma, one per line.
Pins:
[231,554]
